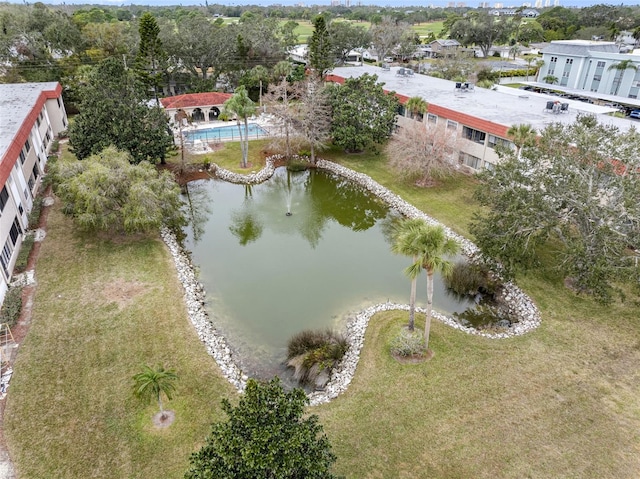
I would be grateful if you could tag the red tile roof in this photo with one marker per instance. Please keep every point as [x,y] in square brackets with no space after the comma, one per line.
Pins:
[191,100]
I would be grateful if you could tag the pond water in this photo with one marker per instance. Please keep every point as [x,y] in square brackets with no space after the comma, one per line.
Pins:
[269,276]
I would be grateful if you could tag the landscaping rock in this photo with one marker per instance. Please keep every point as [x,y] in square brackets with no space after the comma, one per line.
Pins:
[518,304]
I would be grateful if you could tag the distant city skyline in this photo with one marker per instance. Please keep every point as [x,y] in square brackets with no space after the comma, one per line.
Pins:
[352,3]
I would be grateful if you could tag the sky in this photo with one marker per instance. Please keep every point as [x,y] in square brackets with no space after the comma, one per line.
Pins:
[382,3]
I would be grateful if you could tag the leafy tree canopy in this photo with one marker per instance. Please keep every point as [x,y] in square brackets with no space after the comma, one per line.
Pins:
[363,113]
[106,192]
[265,436]
[577,187]
[114,111]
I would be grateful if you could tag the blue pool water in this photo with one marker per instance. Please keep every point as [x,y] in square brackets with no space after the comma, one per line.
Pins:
[229,132]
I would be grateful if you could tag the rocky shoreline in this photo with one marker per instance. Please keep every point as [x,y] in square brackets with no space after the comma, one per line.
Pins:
[518,303]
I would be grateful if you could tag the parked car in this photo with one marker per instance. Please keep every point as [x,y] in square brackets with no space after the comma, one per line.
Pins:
[635,114]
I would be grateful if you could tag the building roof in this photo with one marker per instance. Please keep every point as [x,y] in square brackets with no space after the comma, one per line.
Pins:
[580,47]
[194,100]
[497,110]
[20,105]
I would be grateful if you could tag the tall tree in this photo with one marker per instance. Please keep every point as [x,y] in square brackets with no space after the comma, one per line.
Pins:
[320,51]
[153,383]
[434,247]
[404,243]
[150,57]
[620,67]
[363,113]
[386,35]
[522,135]
[417,106]
[265,436]
[576,187]
[345,37]
[105,192]
[480,29]
[113,111]
[315,117]
[242,107]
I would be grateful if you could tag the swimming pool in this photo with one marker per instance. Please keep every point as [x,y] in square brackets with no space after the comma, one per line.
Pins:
[229,132]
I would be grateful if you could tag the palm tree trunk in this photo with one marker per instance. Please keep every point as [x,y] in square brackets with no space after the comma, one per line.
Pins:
[161,407]
[242,164]
[245,141]
[427,321]
[412,304]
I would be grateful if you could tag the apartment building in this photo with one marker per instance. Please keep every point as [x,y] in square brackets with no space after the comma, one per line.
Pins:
[31,116]
[595,67]
[480,117]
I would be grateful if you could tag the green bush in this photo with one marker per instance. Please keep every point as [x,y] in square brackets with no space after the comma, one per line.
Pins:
[10,311]
[23,254]
[469,279]
[407,343]
[311,353]
[486,317]
[297,165]
[36,211]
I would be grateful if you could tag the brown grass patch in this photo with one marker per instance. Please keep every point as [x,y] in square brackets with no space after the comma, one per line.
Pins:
[122,292]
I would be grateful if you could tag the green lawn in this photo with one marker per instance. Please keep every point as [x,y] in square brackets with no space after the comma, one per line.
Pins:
[305,28]
[560,402]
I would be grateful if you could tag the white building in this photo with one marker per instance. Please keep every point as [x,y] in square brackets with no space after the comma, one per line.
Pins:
[590,66]
[480,117]
[31,116]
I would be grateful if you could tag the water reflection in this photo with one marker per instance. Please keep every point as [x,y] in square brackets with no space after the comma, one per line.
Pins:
[269,276]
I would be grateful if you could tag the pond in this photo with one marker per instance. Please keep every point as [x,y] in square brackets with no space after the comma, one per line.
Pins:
[269,276]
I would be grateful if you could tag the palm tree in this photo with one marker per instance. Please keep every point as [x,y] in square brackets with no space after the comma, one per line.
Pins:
[404,242]
[242,107]
[153,383]
[433,246]
[259,74]
[522,135]
[416,106]
[550,79]
[620,68]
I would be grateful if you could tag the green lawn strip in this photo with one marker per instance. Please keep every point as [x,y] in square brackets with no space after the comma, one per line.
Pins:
[561,401]
[558,402]
[102,309]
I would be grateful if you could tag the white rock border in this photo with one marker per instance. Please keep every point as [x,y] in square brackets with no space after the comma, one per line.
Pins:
[519,304]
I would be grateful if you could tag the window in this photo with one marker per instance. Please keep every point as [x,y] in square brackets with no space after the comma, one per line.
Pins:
[452,125]
[39,120]
[5,257]
[36,171]
[569,61]
[597,77]
[431,118]
[15,231]
[551,71]
[493,141]
[469,160]
[27,145]
[22,157]
[473,135]
[565,74]
[59,102]
[4,198]
[554,59]
[600,65]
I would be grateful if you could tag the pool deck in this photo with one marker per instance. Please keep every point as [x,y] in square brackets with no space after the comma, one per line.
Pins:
[265,121]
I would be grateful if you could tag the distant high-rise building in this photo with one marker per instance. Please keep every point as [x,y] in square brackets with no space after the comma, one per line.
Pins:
[538,3]
[462,5]
[499,5]
[483,5]
[556,3]
[451,5]
[547,3]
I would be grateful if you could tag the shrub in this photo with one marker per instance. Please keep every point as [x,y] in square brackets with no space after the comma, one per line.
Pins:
[10,311]
[485,84]
[486,317]
[469,279]
[23,254]
[36,211]
[297,165]
[312,355]
[407,343]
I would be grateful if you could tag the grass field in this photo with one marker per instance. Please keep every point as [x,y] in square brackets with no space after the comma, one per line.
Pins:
[560,402]
[305,29]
